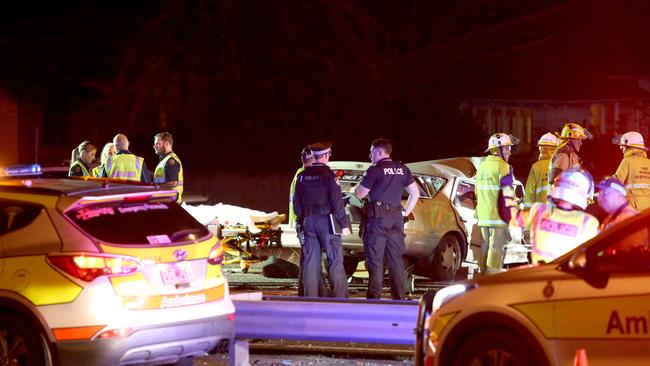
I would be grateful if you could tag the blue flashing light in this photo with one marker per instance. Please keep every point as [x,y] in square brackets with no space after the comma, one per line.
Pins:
[23,169]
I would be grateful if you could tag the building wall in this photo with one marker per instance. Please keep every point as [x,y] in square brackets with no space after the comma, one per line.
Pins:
[8,130]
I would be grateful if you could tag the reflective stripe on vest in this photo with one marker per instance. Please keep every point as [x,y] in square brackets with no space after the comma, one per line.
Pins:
[159,174]
[124,166]
[637,185]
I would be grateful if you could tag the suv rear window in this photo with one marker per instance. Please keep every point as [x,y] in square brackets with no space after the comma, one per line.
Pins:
[138,223]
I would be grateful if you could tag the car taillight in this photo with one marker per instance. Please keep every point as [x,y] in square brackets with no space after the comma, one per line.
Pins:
[216,254]
[87,267]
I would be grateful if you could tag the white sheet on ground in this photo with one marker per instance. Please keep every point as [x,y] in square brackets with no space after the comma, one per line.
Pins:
[224,214]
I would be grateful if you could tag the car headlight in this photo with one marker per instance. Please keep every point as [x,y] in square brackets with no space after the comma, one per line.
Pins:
[446,294]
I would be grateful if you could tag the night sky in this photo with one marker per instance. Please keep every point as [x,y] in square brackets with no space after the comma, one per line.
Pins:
[243,85]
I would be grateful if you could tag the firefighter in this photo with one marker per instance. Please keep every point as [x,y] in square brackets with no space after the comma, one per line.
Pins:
[634,170]
[537,186]
[107,152]
[488,175]
[566,155]
[82,156]
[124,164]
[169,171]
[561,224]
[317,201]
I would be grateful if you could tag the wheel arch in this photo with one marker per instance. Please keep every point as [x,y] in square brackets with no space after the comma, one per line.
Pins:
[11,302]
[477,323]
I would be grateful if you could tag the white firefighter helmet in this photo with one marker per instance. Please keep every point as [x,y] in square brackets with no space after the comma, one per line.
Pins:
[575,131]
[501,139]
[548,139]
[630,139]
[575,186]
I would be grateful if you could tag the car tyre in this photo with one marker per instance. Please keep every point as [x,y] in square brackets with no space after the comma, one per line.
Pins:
[20,344]
[446,258]
[495,348]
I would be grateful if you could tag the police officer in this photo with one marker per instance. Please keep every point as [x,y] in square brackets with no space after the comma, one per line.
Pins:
[537,187]
[566,155]
[494,231]
[561,224]
[124,164]
[634,169]
[383,239]
[107,152]
[611,196]
[169,171]
[319,206]
[82,156]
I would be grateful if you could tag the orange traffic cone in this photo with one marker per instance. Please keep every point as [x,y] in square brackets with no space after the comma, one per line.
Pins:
[581,358]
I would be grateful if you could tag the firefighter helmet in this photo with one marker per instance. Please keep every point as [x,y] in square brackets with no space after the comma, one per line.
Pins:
[574,131]
[575,186]
[501,139]
[548,139]
[630,139]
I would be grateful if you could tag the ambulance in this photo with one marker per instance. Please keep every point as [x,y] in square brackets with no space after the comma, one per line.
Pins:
[94,272]
[590,305]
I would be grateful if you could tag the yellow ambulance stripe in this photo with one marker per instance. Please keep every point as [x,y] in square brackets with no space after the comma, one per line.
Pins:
[45,200]
[35,279]
[170,301]
[614,317]
[439,325]
[163,254]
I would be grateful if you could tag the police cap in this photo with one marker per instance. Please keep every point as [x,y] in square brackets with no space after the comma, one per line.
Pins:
[321,148]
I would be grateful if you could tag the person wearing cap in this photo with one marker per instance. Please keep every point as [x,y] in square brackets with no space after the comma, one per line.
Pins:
[319,207]
[612,199]
[559,225]
[494,231]
[566,156]
[634,169]
[383,237]
[537,187]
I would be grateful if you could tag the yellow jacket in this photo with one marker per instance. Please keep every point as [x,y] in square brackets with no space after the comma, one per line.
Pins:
[554,231]
[488,177]
[563,158]
[634,173]
[537,187]
[292,191]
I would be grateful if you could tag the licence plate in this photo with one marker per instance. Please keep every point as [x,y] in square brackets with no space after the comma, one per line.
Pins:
[173,275]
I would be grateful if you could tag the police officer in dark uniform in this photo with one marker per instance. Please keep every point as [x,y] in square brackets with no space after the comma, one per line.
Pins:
[318,197]
[383,237]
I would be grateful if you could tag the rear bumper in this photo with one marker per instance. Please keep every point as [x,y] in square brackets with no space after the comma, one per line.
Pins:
[164,343]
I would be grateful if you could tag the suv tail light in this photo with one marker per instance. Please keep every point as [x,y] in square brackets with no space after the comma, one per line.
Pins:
[87,267]
[216,254]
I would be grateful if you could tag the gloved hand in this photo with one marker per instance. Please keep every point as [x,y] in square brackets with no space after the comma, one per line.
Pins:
[406,217]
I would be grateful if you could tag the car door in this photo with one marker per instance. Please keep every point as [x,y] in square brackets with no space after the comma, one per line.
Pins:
[604,308]
[464,201]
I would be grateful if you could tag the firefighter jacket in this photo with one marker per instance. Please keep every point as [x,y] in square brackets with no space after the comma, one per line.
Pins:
[565,157]
[488,177]
[554,231]
[159,175]
[634,173]
[537,187]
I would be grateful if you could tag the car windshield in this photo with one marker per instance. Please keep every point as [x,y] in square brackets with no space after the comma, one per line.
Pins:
[138,223]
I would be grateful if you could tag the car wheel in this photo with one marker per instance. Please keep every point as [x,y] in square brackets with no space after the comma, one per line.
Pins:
[495,348]
[20,344]
[446,258]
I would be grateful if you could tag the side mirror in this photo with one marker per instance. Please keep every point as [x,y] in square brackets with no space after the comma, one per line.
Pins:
[579,260]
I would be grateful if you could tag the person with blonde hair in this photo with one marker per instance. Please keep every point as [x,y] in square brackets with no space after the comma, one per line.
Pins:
[82,156]
[108,151]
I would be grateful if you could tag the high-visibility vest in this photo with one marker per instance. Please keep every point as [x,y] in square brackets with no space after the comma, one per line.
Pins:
[159,174]
[537,187]
[634,173]
[488,180]
[84,170]
[573,161]
[97,171]
[554,231]
[124,166]
[292,191]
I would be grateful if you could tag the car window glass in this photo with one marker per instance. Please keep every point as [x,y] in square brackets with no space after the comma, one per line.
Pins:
[16,215]
[138,223]
[421,187]
[434,183]
[465,195]
[628,253]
